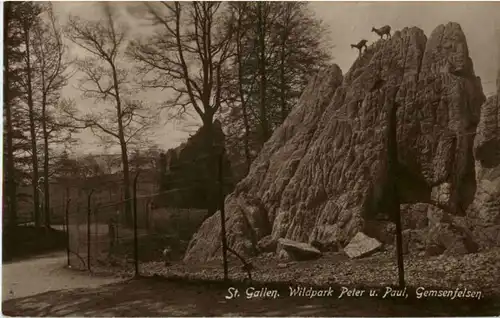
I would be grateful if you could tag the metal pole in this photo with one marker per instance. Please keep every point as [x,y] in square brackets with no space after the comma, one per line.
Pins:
[136,245]
[41,208]
[96,228]
[393,169]
[148,214]
[68,200]
[222,215]
[88,228]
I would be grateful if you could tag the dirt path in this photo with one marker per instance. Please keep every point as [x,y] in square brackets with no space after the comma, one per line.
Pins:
[44,273]
[43,287]
[149,297]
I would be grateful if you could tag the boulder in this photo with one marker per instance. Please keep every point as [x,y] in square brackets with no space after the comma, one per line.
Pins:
[324,172]
[288,249]
[284,256]
[484,212]
[440,194]
[383,231]
[415,216]
[362,245]
[486,236]
[443,234]
[449,237]
[413,241]
[267,244]
[436,215]
[326,246]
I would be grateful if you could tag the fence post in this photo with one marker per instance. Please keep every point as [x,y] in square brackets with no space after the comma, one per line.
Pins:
[96,228]
[88,228]
[393,168]
[136,245]
[68,200]
[222,215]
[148,213]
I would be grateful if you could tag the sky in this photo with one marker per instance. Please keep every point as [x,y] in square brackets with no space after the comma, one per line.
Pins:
[347,22]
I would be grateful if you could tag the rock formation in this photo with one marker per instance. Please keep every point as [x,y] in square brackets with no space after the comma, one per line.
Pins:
[291,250]
[322,177]
[184,173]
[361,245]
[484,213]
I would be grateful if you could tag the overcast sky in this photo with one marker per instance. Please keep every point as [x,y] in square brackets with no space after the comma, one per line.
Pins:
[348,23]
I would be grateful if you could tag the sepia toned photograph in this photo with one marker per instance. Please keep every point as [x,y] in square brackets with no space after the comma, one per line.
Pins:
[251,158]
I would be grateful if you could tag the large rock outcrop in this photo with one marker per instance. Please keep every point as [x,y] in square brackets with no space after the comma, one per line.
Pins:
[322,177]
[184,174]
[484,212]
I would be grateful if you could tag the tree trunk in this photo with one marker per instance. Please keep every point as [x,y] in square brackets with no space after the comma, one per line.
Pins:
[246,141]
[262,74]
[126,183]
[246,124]
[123,147]
[46,187]
[210,146]
[34,149]
[9,156]
[284,111]
[283,50]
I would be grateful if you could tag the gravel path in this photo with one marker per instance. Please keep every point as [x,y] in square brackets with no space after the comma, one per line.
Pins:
[44,273]
[478,272]
[39,279]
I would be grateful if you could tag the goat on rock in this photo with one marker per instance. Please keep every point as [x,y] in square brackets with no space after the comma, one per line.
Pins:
[360,46]
[385,30]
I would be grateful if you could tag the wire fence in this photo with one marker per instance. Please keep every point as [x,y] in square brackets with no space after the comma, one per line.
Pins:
[145,228]
[101,235]
[152,227]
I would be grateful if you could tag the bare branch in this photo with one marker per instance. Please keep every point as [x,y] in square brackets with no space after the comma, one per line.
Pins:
[186,54]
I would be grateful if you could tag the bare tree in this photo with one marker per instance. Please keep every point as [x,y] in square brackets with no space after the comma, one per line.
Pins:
[301,50]
[279,45]
[9,48]
[16,145]
[51,71]
[263,11]
[30,16]
[241,21]
[106,79]
[90,167]
[145,159]
[112,163]
[188,56]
